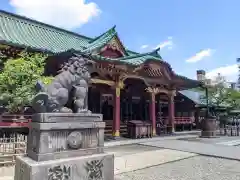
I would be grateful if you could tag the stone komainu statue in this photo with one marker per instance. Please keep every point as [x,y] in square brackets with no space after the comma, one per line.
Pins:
[73,77]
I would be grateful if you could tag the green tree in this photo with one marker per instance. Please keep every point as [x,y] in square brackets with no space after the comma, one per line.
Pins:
[234,99]
[222,98]
[218,92]
[18,79]
[218,97]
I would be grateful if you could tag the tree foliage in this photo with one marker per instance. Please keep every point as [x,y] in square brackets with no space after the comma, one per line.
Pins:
[219,94]
[18,79]
[234,99]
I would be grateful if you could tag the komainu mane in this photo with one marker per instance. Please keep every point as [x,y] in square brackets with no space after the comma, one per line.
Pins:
[73,77]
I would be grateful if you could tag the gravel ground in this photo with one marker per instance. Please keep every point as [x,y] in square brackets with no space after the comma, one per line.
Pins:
[195,168]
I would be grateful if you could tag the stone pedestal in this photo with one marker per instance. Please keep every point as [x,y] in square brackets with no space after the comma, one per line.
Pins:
[209,127]
[65,146]
[92,167]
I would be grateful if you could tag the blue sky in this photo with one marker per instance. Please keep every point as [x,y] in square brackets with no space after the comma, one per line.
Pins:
[192,34]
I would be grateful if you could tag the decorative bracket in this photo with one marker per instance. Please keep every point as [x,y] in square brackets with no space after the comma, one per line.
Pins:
[156,90]
[100,81]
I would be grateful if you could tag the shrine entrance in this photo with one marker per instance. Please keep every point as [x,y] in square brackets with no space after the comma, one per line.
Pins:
[134,101]
[162,108]
[100,100]
[163,125]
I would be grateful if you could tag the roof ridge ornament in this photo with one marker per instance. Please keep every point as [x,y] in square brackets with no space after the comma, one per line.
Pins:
[155,52]
[112,29]
[158,49]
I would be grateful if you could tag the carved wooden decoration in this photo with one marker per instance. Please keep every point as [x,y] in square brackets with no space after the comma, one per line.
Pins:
[156,90]
[120,84]
[125,76]
[152,90]
[100,81]
[3,46]
[121,67]
[154,70]
[139,68]
[114,44]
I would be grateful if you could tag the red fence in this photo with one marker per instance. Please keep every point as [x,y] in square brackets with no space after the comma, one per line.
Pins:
[23,120]
[184,120]
[180,120]
[14,121]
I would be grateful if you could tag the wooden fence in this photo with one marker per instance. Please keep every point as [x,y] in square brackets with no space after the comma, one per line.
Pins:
[229,130]
[12,145]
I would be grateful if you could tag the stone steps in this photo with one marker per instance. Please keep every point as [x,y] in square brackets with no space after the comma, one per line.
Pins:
[108,128]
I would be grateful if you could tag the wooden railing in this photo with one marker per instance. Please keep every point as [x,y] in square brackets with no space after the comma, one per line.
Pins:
[180,120]
[184,120]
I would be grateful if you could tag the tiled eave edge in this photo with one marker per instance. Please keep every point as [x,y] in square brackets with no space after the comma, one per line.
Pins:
[24,47]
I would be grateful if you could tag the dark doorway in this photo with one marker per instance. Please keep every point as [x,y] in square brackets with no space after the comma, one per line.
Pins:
[94,100]
[134,101]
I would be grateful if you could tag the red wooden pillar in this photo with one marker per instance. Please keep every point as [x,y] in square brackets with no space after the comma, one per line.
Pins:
[116,120]
[153,113]
[171,111]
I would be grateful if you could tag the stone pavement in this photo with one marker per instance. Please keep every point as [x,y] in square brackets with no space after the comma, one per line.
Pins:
[216,150]
[223,140]
[230,143]
[195,168]
[176,135]
[133,157]
[6,173]
[163,152]
[128,158]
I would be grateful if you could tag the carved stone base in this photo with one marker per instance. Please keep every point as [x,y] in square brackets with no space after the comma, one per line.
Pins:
[65,135]
[93,167]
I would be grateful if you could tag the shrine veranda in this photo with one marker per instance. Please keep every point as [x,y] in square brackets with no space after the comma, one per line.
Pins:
[125,85]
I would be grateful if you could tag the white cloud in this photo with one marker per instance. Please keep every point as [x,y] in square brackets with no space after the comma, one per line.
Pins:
[230,72]
[200,55]
[168,43]
[67,14]
[144,46]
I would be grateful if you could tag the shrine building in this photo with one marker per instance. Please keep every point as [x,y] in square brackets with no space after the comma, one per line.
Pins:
[125,85]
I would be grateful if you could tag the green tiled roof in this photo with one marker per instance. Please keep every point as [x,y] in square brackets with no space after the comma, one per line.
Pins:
[141,58]
[24,32]
[131,52]
[101,40]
